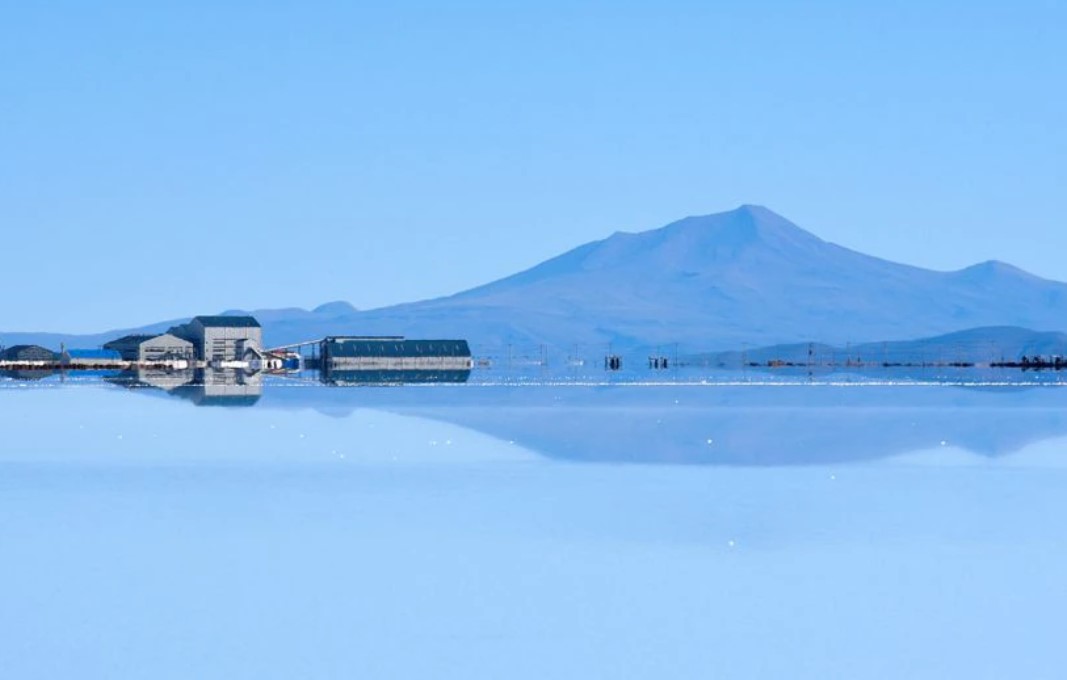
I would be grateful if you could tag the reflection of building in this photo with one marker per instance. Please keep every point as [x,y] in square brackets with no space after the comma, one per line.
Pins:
[156,378]
[223,388]
[343,378]
[152,349]
[28,354]
[28,375]
[91,358]
[203,387]
[223,338]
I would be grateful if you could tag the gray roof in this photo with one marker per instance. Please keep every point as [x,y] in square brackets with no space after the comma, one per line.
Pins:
[19,348]
[227,321]
[136,338]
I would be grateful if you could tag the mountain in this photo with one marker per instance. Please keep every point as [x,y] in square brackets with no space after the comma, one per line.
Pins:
[744,276]
[713,282]
[976,345]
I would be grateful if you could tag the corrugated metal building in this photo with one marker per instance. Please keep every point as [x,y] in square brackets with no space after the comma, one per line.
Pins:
[370,360]
[223,338]
[341,349]
[28,354]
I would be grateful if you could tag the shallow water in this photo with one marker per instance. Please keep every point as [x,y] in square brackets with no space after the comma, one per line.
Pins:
[500,530]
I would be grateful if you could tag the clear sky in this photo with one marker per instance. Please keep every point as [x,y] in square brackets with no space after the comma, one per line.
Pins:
[164,159]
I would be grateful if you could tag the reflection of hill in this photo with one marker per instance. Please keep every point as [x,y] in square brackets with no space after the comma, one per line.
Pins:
[745,425]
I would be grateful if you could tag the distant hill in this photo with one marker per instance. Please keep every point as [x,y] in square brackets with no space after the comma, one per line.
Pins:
[977,345]
[703,283]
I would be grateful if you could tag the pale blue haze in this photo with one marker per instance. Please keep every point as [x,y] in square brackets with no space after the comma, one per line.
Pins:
[165,159]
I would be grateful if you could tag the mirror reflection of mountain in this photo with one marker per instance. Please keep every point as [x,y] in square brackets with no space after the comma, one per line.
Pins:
[789,425]
[750,425]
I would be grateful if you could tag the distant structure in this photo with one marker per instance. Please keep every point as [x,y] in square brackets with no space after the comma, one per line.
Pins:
[28,354]
[153,349]
[223,338]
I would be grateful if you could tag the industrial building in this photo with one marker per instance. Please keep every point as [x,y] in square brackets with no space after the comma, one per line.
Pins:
[153,349]
[393,359]
[223,338]
[394,352]
[28,355]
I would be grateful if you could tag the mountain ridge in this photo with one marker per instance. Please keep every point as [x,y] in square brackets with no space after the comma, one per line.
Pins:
[706,282]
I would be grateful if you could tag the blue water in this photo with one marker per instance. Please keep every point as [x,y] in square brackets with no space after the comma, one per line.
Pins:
[503,531]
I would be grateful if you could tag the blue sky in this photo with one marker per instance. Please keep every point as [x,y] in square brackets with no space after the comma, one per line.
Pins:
[163,159]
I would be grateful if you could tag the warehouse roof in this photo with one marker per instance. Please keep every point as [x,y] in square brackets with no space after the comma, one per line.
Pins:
[135,339]
[227,321]
[18,348]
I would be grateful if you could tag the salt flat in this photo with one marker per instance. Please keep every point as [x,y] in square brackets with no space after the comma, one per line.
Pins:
[488,531]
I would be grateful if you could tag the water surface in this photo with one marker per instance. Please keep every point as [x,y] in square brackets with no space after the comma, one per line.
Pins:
[501,530]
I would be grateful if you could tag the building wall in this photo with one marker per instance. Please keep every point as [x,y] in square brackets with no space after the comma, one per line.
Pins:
[165,347]
[360,348]
[220,342]
[230,344]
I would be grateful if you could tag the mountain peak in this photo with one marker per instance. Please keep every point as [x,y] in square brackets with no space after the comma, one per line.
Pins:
[992,269]
[335,308]
[732,231]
